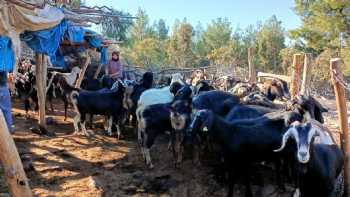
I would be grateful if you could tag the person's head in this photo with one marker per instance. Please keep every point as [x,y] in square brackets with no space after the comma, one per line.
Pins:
[115,55]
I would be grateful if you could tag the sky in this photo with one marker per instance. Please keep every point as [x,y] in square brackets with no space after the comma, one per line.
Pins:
[240,13]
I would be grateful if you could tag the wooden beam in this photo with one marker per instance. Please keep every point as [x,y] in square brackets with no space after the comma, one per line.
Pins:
[337,78]
[295,82]
[98,71]
[14,174]
[274,76]
[252,72]
[41,70]
[305,84]
[83,69]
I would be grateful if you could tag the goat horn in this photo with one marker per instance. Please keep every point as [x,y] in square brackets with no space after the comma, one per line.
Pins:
[285,138]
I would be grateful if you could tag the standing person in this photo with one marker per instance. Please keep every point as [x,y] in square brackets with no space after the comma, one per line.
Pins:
[113,69]
[5,101]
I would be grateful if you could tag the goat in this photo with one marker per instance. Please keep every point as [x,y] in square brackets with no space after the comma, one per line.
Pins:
[108,103]
[243,142]
[133,92]
[202,86]
[319,160]
[276,89]
[218,101]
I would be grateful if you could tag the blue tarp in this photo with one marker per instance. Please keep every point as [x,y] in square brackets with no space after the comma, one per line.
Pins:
[104,56]
[58,59]
[75,34]
[93,40]
[7,56]
[45,41]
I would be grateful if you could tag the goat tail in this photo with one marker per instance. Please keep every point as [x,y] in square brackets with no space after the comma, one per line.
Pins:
[74,98]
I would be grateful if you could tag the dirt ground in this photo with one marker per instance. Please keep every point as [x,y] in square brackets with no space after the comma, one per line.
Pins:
[74,165]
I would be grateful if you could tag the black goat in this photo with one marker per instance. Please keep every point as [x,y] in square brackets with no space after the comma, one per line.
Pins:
[133,93]
[243,142]
[218,101]
[202,86]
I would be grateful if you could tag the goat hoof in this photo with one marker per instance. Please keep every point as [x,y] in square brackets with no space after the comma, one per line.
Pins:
[150,166]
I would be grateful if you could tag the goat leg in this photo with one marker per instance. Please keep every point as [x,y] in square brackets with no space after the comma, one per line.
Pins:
[110,124]
[118,132]
[76,120]
[231,183]
[148,158]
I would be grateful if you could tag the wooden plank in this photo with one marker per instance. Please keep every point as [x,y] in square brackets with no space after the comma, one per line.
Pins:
[98,71]
[336,73]
[295,81]
[83,69]
[14,174]
[252,71]
[274,76]
[305,84]
[41,69]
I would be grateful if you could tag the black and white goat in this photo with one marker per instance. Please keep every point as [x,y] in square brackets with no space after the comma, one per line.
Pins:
[108,103]
[319,160]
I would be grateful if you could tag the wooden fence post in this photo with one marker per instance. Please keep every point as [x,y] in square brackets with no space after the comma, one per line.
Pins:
[14,174]
[305,85]
[98,71]
[252,71]
[41,70]
[295,83]
[336,75]
[83,69]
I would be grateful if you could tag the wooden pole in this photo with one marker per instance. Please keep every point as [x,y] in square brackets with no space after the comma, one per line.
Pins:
[337,75]
[83,70]
[252,72]
[14,174]
[98,71]
[295,82]
[305,85]
[41,70]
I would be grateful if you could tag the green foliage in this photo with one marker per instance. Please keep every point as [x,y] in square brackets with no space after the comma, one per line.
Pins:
[217,44]
[161,29]
[148,53]
[322,23]
[180,45]
[218,34]
[270,41]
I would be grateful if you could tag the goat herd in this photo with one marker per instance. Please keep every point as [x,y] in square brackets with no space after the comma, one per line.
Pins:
[242,127]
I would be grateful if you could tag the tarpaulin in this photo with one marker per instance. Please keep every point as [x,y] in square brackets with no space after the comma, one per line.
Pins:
[75,34]
[45,41]
[16,19]
[94,40]
[7,56]
[58,59]
[104,56]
